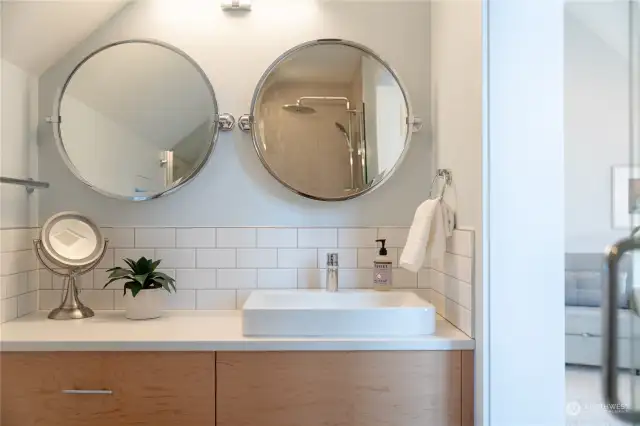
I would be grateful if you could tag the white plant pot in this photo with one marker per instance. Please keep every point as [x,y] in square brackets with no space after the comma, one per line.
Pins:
[148,304]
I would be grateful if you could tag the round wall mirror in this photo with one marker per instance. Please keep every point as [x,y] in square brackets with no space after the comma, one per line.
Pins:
[330,120]
[136,119]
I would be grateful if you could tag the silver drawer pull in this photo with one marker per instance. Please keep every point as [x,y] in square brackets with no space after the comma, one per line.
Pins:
[86,392]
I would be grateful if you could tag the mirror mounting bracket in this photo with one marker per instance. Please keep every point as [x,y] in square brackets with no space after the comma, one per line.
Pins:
[416,123]
[226,121]
[54,120]
[244,122]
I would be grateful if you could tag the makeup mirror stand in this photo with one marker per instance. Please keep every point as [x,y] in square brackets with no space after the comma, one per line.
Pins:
[71,307]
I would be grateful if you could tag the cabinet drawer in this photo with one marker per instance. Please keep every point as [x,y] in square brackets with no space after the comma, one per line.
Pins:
[142,388]
[343,388]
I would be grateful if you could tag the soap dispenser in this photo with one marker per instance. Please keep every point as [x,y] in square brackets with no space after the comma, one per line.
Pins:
[382,269]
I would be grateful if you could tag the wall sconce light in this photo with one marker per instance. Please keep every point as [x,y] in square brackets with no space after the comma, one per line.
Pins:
[228,5]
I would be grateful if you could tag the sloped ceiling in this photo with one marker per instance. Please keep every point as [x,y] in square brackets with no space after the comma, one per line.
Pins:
[36,34]
[607,20]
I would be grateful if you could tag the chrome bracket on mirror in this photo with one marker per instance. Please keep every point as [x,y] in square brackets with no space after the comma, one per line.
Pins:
[244,122]
[416,123]
[226,121]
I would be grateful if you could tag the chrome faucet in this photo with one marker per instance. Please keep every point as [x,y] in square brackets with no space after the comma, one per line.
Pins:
[332,272]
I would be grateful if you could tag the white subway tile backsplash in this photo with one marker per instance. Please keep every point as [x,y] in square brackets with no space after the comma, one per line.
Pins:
[14,262]
[155,237]
[366,257]
[465,297]
[45,279]
[458,267]
[404,279]
[27,303]
[176,258]
[355,278]
[195,237]
[101,277]
[50,299]
[424,278]
[277,278]
[461,243]
[311,278]
[466,321]
[17,239]
[108,261]
[236,237]
[217,268]
[357,237]
[120,237]
[215,299]
[14,285]
[396,237]
[133,254]
[9,309]
[33,280]
[196,279]
[216,258]
[237,278]
[99,299]
[182,300]
[298,258]
[257,258]
[347,258]
[241,297]
[437,280]
[317,237]
[277,238]
[439,301]
[452,288]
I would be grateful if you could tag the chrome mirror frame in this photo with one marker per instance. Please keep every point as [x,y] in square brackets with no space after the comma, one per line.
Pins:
[220,122]
[247,122]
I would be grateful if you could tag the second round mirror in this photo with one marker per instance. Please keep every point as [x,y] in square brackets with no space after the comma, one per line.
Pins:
[330,120]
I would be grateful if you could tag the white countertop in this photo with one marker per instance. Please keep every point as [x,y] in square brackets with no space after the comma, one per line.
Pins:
[195,331]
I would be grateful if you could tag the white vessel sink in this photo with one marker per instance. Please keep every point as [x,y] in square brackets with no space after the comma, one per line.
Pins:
[317,313]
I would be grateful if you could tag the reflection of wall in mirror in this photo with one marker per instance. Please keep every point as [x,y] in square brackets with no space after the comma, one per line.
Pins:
[369,82]
[307,150]
[385,118]
[98,146]
[188,152]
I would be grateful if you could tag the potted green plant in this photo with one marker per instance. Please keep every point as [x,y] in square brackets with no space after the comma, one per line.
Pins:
[147,288]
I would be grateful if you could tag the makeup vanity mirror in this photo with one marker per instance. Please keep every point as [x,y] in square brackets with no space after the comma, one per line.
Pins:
[330,120]
[137,119]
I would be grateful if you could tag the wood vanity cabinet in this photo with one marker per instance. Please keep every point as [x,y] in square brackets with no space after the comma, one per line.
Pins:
[433,388]
[149,388]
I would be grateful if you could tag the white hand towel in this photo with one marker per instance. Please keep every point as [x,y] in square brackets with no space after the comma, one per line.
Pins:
[415,248]
[432,224]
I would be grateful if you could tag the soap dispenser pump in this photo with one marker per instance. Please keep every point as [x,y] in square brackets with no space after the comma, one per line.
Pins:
[382,269]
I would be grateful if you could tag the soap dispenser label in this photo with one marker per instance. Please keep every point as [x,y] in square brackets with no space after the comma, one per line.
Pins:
[382,274]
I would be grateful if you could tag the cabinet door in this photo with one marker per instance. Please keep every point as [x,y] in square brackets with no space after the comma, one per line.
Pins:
[339,388]
[143,388]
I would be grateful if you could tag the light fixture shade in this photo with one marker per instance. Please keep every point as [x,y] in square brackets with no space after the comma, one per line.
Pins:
[71,240]
[236,5]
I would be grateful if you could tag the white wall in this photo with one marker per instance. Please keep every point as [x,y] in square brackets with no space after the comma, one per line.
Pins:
[18,145]
[525,234]
[234,188]
[596,128]
[456,48]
